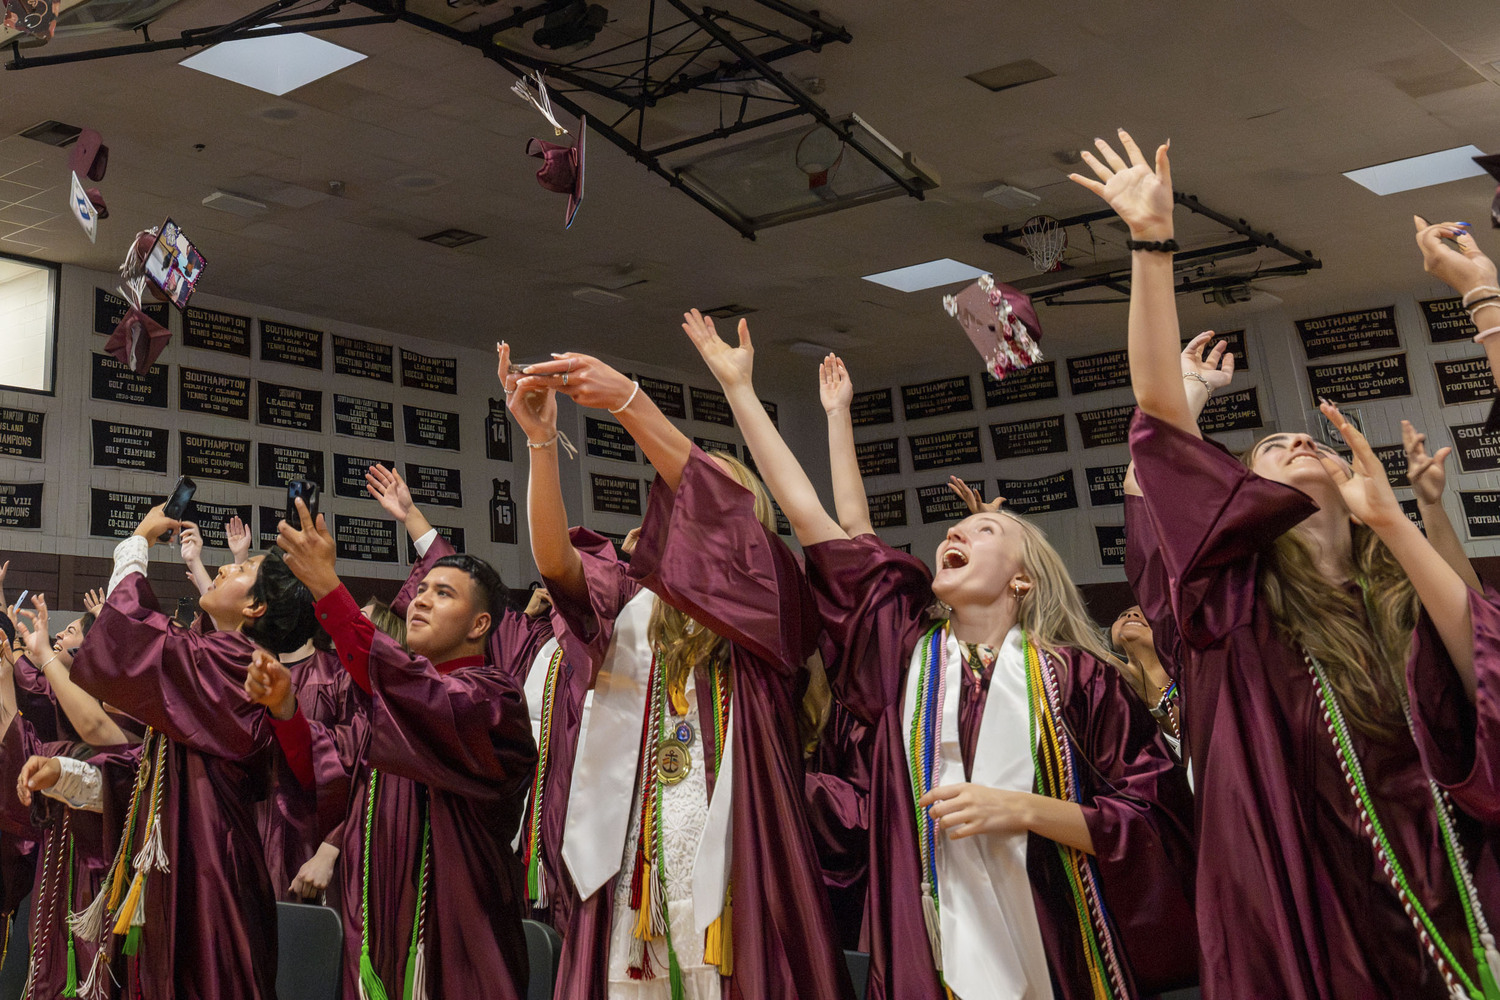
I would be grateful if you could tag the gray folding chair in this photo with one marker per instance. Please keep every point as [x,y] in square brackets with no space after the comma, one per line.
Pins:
[859,971]
[310,951]
[543,951]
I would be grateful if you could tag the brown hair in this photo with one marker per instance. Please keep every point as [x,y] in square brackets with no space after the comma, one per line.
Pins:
[685,644]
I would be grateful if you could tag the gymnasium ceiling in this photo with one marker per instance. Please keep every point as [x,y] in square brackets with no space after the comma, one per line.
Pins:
[1266,104]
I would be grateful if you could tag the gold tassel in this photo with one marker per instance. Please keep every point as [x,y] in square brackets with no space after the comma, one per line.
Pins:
[132,902]
[718,941]
[643,915]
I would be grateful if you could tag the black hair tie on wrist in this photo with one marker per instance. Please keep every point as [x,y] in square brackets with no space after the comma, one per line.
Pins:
[1153,246]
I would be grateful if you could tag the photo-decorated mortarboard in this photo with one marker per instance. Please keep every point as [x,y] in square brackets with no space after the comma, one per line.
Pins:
[1001,322]
[37,18]
[138,340]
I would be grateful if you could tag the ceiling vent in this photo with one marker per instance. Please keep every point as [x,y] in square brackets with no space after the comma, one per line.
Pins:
[234,204]
[1011,74]
[597,296]
[53,133]
[452,238]
[732,311]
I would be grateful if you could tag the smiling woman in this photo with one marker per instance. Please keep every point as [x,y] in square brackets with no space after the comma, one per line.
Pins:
[28,323]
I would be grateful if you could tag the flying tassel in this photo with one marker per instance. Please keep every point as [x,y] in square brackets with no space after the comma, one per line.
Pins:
[153,854]
[934,926]
[539,100]
[370,986]
[131,904]
[89,922]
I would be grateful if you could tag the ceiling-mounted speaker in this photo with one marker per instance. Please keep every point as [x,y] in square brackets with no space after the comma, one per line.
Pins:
[573,27]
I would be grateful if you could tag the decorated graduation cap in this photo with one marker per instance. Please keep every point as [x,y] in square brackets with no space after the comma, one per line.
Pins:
[137,340]
[1000,321]
[89,157]
[37,18]
[562,166]
[1492,164]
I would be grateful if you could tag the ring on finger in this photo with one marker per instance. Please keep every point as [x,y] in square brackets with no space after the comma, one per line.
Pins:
[565,378]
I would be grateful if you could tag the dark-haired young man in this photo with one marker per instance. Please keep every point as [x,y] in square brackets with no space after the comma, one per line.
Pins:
[435,769]
[188,893]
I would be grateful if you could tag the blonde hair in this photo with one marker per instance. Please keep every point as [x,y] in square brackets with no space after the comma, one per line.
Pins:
[1361,640]
[387,621]
[1052,612]
[685,644]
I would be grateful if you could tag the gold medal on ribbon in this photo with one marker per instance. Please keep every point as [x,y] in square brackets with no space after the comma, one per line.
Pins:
[673,762]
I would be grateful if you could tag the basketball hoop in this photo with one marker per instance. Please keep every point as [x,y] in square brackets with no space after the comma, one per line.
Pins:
[1045,240]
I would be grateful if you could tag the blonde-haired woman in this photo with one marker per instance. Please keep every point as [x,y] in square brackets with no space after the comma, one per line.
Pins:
[686,839]
[1028,828]
[1333,867]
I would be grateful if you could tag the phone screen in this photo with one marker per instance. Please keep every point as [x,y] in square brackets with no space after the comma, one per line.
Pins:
[308,492]
[174,265]
[182,495]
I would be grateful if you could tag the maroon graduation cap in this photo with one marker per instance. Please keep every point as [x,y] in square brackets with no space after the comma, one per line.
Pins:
[1000,321]
[97,200]
[562,168]
[138,341]
[89,157]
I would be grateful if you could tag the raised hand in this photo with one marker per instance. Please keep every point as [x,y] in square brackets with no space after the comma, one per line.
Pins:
[1462,270]
[237,535]
[4,568]
[31,629]
[1425,472]
[190,543]
[1139,194]
[309,552]
[834,386]
[156,523]
[583,378]
[971,499]
[37,774]
[732,366]
[1365,485]
[535,409]
[1217,368]
[390,491]
[269,683]
[93,601]
[631,540]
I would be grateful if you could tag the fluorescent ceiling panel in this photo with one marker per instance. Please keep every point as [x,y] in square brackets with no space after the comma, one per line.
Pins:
[929,275]
[1419,171]
[277,64]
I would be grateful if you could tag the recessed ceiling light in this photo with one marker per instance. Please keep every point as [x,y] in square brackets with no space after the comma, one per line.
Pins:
[1419,171]
[452,238]
[276,64]
[929,275]
[53,133]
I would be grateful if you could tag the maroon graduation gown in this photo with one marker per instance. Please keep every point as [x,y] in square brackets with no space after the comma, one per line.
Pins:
[837,788]
[290,828]
[703,551]
[210,929]
[1460,740]
[1291,902]
[1135,798]
[456,747]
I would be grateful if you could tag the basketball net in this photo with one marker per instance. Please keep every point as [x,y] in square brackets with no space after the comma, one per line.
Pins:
[1045,242]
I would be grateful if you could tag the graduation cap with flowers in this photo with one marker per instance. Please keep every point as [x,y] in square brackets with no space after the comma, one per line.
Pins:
[137,340]
[1000,321]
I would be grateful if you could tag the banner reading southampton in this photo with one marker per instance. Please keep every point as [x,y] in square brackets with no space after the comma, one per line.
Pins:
[1351,332]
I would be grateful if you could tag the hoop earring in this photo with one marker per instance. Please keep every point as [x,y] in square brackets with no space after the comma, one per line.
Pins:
[1015,588]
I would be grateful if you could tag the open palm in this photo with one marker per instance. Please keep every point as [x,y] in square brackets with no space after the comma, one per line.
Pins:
[1139,194]
[732,366]
[1367,489]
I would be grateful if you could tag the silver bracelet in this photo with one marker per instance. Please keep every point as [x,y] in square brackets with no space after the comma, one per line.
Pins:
[557,438]
[542,444]
[1199,377]
[630,399]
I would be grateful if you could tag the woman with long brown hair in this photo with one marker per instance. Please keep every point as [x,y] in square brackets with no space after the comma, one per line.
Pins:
[686,838]
[1028,830]
[1293,580]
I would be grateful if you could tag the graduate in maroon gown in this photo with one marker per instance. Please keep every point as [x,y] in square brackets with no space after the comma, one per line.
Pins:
[1292,581]
[1028,827]
[686,830]
[434,890]
[187,892]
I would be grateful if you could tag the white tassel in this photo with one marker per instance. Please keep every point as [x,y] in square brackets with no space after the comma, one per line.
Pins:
[658,902]
[419,973]
[95,987]
[539,100]
[541,888]
[89,923]
[153,854]
[934,926]
[362,994]
[1491,955]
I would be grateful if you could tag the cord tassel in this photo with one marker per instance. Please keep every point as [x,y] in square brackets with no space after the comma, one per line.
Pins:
[89,922]
[1489,967]
[153,854]
[95,986]
[370,986]
[132,902]
[718,941]
[416,973]
[933,924]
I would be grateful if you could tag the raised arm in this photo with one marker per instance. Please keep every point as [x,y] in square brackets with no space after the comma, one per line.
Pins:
[1427,477]
[191,548]
[783,474]
[1202,376]
[83,710]
[1443,593]
[389,490]
[546,512]
[1143,199]
[1469,273]
[849,500]
[592,383]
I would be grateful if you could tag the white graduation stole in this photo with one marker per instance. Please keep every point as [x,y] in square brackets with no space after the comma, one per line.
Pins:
[991,940]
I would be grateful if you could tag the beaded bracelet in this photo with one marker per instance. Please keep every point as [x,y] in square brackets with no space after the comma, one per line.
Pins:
[629,399]
[1198,377]
[1153,246]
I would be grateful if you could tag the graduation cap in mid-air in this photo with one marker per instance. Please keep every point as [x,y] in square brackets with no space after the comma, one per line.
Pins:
[138,340]
[89,156]
[562,168]
[1001,323]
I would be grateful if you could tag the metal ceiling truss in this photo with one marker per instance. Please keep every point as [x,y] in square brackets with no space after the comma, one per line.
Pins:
[1050,287]
[634,76]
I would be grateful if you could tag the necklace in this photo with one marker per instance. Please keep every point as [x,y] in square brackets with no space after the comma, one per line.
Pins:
[1487,960]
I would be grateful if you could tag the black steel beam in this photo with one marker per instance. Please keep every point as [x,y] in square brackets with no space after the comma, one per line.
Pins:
[725,131]
[808,18]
